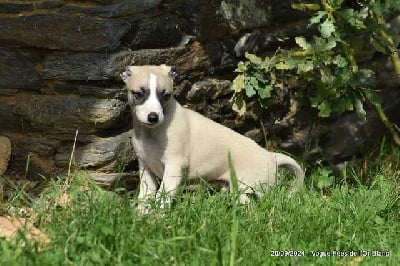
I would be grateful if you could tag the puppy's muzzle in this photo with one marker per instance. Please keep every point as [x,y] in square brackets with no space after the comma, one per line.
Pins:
[153,118]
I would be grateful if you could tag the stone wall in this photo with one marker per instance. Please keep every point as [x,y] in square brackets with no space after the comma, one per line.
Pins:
[60,63]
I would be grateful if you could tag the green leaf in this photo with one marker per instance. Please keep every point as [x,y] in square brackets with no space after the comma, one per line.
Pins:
[250,85]
[250,91]
[241,67]
[348,104]
[366,77]
[265,92]
[325,181]
[238,83]
[322,44]
[314,101]
[302,42]
[363,13]
[324,109]
[343,103]
[359,24]
[317,18]
[331,43]
[373,97]
[360,109]
[269,62]
[239,105]
[340,61]
[305,67]
[324,178]
[319,43]
[253,58]
[360,17]
[286,64]
[378,220]
[326,76]
[325,172]
[253,81]
[348,15]
[327,28]
[345,75]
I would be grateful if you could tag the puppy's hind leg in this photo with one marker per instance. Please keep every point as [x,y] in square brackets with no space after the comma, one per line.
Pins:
[244,191]
[147,188]
[249,185]
[242,188]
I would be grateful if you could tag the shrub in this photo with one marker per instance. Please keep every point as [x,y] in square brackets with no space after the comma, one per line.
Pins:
[323,72]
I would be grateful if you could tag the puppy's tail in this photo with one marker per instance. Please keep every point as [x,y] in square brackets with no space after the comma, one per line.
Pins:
[286,161]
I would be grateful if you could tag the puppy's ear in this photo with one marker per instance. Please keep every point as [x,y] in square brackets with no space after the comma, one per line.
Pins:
[168,70]
[126,74]
[165,68]
[173,75]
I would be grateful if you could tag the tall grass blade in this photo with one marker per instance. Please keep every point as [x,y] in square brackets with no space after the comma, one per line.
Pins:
[71,158]
[235,218]
[28,161]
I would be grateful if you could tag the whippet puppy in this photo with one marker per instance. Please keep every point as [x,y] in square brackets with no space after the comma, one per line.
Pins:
[174,143]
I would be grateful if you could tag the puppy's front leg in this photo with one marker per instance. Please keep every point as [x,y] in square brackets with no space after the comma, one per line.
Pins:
[172,178]
[147,188]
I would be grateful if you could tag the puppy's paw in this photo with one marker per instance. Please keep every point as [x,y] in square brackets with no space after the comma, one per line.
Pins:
[144,208]
[244,199]
[164,200]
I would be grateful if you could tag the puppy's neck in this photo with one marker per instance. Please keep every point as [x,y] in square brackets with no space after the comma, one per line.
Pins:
[143,131]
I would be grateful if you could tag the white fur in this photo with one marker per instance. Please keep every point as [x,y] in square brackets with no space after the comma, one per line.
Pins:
[187,145]
[151,104]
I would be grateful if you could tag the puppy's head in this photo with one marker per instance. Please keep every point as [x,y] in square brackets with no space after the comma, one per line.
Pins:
[149,92]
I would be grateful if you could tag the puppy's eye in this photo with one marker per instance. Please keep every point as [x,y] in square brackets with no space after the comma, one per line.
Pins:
[165,95]
[139,94]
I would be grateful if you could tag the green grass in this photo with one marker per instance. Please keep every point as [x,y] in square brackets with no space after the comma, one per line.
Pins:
[102,228]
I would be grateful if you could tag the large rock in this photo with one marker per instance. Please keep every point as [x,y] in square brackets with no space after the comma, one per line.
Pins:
[121,8]
[206,20]
[211,97]
[66,113]
[5,153]
[9,120]
[80,66]
[47,4]
[62,31]
[246,14]
[151,33]
[107,153]
[188,62]
[349,135]
[106,1]
[90,90]
[42,145]
[262,41]
[209,90]
[33,153]
[114,180]
[16,72]
[94,66]
[15,7]
[282,11]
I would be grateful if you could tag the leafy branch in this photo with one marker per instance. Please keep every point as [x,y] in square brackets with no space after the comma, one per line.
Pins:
[323,71]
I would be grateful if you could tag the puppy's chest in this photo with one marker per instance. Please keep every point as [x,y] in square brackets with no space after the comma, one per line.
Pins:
[151,152]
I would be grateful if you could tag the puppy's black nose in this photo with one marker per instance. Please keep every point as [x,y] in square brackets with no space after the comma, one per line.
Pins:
[152,118]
